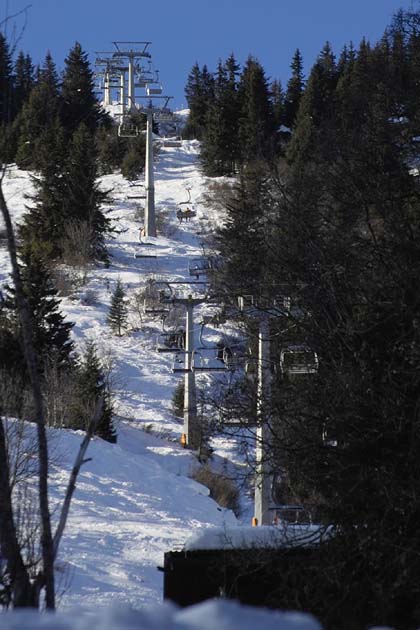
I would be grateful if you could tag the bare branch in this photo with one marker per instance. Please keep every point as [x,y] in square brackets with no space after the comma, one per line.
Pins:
[4,23]
[74,473]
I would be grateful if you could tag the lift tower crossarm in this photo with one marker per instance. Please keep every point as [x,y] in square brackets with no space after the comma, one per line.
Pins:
[137,53]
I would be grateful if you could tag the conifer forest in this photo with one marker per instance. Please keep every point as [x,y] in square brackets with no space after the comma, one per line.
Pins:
[316,250]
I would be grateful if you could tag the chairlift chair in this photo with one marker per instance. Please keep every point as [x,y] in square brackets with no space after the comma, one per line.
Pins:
[186,214]
[299,359]
[178,366]
[153,90]
[199,266]
[151,308]
[188,201]
[171,142]
[128,130]
[152,304]
[291,514]
[207,360]
[172,341]
[143,252]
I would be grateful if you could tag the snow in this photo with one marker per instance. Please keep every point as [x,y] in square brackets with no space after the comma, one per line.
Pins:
[221,614]
[135,499]
[241,537]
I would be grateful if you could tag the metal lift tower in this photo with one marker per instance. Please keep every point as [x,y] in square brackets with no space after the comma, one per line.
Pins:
[131,51]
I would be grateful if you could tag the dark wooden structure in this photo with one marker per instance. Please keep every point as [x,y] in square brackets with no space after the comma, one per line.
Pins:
[258,577]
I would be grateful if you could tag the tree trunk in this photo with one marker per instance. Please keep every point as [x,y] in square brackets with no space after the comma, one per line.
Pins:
[23,592]
[31,361]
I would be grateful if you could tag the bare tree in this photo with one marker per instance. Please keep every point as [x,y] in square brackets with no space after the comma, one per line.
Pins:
[25,590]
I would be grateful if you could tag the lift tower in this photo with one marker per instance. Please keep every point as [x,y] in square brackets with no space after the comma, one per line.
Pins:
[263,479]
[131,51]
[158,114]
[112,72]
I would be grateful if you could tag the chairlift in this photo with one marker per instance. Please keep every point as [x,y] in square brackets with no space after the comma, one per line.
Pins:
[185,214]
[152,308]
[299,359]
[166,295]
[143,79]
[179,363]
[163,115]
[143,252]
[127,130]
[202,265]
[171,341]
[209,359]
[153,90]
[145,249]
[172,142]
[245,302]
[152,304]
[188,191]
[198,266]
[291,515]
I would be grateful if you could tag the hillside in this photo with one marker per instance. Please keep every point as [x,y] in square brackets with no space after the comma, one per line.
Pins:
[134,500]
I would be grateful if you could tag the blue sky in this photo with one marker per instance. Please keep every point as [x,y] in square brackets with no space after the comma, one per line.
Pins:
[185,31]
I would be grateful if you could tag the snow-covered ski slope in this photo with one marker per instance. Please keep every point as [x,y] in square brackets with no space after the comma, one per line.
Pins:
[134,500]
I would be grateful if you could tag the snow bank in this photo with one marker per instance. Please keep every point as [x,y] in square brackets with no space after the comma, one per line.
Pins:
[249,537]
[221,614]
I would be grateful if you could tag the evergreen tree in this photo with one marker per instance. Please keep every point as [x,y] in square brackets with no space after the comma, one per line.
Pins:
[11,354]
[242,238]
[6,82]
[78,100]
[117,316]
[43,227]
[199,94]
[220,150]
[111,149]
[277,97]
[256,128]
[90,386]
[82,197]
[294,91]
[38,118]
[52,334]
[317,107]
[23,81]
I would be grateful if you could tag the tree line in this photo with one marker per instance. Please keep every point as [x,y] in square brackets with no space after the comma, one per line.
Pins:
[238,115]
[54,127]
[324,222]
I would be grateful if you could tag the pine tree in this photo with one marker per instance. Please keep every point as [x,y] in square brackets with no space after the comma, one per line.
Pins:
[256,127]
[220,151]
[316,107]
[52,334]
[6,82]
[277,98]
[11,354]
[90,385]
[37,118]
[242,238]
[118,313]
[82,197]
[294,91]
[199,94]
[43,227]
[23,81]
[78,100]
